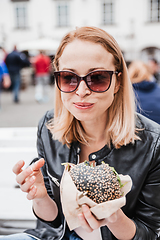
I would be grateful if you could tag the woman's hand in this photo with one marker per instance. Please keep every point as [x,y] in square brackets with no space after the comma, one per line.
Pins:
[31,179]
[119,224]
[90,223]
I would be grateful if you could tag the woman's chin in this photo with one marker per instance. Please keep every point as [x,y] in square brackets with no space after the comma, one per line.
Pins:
[84,117]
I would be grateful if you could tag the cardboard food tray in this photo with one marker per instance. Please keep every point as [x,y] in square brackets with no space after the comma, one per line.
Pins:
[72,200]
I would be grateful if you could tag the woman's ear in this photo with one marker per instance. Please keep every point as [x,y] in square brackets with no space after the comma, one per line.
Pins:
[118,82]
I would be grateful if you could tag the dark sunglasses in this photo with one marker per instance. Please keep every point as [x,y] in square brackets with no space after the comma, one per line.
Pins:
[97,81]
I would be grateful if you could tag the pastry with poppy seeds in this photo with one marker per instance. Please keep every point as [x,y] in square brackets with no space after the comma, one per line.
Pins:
[100,183]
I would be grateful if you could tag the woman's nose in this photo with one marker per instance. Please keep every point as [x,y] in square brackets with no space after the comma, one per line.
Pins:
[82,89]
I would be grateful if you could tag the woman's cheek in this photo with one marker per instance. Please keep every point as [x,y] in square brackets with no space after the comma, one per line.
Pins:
[66,100]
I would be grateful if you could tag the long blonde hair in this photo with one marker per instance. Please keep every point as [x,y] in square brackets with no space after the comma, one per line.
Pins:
[139,71]
[120,128]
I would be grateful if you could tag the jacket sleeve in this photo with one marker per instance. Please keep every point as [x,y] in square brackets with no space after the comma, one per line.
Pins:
[148,205]
[41,154]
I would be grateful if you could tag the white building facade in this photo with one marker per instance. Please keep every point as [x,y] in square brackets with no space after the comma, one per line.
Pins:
[135,24]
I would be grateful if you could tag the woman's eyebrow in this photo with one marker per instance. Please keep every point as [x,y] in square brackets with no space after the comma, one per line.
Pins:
[97,68]
[69,69]
[89,70]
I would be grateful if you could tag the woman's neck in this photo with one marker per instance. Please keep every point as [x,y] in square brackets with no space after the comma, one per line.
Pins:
[95,130]
[96,142]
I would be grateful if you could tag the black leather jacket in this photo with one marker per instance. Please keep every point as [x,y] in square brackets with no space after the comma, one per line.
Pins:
[141,161]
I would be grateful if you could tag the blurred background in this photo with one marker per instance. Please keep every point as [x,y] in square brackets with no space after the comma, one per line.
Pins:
[31,26]
[34,24]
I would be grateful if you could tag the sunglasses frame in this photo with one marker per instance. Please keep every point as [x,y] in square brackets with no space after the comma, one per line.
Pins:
[57,73]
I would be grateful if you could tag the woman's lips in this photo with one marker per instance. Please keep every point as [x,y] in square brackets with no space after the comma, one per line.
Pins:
[83,105]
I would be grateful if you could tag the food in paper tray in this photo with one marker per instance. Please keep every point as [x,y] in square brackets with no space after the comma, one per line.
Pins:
[100,183]
[100,187]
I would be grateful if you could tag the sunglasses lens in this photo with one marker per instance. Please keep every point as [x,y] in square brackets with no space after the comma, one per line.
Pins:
[99,81]
[67,81]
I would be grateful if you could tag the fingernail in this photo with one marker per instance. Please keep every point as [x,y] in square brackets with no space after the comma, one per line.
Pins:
[85,208]
[32,179]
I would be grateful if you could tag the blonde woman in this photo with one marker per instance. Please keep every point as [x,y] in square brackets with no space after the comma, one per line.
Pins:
[146,89]
[94,118]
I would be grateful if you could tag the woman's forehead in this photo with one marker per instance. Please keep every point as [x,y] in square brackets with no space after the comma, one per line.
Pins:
[80,51]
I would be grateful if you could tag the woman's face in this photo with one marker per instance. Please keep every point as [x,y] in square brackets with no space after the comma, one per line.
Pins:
[82,57]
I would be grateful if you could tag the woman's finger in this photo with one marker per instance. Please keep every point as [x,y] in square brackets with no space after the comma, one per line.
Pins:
[18,167]
[22,176]
[112,218]
[32,193]
[84,224]
[92,221]
[38,164]
[28,184]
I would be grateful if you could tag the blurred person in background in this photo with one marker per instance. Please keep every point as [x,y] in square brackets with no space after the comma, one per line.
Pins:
[15,61]
[4,76]
[154,69]
[146,89]
[42,77]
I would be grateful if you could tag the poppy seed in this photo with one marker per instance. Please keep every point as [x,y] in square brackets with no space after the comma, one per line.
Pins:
[100,183]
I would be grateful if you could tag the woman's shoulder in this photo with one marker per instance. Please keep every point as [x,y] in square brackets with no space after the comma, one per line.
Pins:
[147,124]
[46,117]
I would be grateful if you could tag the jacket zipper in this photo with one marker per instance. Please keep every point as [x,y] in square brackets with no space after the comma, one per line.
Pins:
[33,236]
[64,228]
[55,180]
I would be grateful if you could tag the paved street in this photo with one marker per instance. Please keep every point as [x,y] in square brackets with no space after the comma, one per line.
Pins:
[26,113]
[18,127]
